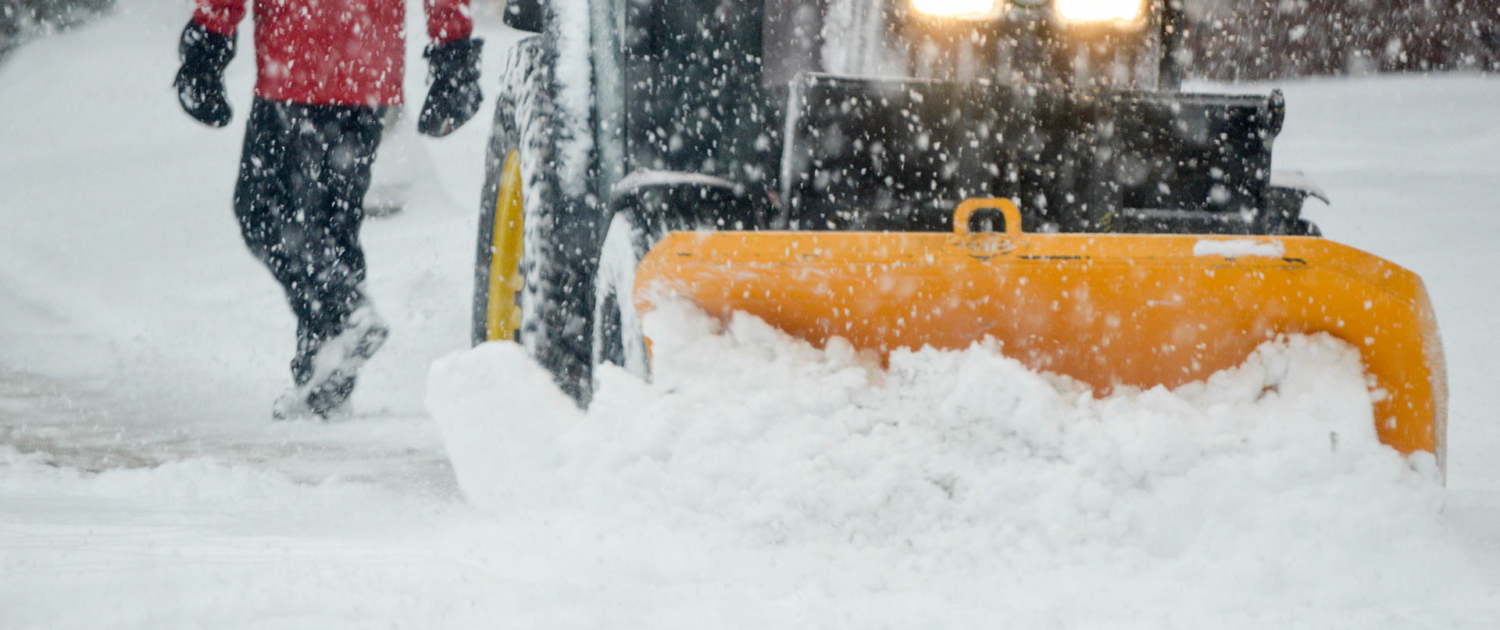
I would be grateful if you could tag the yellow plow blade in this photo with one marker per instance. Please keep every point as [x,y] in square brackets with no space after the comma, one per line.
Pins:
[1106,309]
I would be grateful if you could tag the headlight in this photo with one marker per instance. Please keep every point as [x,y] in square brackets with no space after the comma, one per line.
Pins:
[1094,11]
[955,8]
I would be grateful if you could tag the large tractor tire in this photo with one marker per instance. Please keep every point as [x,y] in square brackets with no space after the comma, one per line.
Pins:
[618,337]
[646,210]
[537,245]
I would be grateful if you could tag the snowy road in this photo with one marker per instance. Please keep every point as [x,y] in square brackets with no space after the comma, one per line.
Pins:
[126,287]
[142,485]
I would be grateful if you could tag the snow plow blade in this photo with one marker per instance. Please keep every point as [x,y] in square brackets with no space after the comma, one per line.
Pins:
[1106,309]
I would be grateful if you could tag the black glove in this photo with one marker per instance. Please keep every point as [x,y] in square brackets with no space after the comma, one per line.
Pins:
[200,82]
[454,95]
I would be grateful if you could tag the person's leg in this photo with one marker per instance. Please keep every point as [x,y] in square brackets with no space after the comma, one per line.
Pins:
[391,175]
[351,136]
[268,213]
[303,175]
[334,149]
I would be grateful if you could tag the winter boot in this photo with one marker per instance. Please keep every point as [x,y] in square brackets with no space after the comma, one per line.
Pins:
[333,368]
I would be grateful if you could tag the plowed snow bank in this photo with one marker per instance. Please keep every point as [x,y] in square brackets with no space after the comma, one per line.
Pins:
[963,465]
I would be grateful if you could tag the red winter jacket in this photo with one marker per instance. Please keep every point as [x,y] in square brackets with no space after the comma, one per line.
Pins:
[341,52]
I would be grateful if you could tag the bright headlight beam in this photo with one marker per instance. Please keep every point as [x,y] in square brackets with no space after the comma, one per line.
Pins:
[1100,10]
[954,8]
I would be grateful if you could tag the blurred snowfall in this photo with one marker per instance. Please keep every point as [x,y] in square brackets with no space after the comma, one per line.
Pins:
[762,483]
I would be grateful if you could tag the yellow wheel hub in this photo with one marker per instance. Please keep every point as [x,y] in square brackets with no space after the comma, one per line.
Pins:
[503,315]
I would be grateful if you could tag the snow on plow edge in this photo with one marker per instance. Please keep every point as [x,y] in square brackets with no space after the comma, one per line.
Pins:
[747,426]
[958,475]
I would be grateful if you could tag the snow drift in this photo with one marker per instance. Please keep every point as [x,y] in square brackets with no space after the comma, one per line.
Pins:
[961,466]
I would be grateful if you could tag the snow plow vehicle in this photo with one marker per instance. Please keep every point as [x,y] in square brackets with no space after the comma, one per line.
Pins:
[908,173]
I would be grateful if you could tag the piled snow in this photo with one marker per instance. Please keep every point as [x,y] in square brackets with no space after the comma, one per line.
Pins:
[965,477]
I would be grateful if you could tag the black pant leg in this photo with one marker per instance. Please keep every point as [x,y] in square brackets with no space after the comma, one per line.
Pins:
[303,175]
[346,141]
[265,206]
[264,203]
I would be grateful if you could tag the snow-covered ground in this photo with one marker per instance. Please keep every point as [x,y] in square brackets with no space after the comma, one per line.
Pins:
[757,482]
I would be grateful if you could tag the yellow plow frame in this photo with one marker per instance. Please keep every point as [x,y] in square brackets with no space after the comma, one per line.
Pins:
[1106,309]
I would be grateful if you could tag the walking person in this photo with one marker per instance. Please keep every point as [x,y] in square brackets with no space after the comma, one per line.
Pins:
[327,71]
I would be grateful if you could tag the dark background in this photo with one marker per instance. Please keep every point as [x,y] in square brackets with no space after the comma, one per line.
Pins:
[21,20]
[1259,39]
